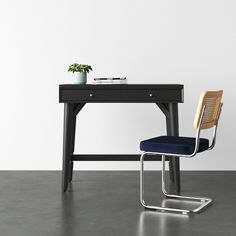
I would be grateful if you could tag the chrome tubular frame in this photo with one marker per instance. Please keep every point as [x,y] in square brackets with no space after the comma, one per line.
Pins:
[204,200]
[215,128]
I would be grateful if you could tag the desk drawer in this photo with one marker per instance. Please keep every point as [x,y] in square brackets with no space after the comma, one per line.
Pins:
[151,95]
[90,95]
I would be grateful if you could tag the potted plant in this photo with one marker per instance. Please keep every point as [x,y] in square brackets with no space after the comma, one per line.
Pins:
[80,71]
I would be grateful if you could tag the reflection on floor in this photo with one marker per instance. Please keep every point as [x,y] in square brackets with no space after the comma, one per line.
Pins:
[107,204]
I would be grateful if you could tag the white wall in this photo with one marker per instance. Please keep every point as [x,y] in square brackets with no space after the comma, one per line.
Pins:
[187,42]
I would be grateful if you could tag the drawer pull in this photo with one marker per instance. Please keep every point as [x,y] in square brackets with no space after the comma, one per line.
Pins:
[150,95]
[90,95]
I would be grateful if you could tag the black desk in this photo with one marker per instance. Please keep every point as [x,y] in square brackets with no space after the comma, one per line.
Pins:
[74,97]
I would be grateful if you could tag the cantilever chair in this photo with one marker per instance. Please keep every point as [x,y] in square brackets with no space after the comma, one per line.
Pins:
[207,116]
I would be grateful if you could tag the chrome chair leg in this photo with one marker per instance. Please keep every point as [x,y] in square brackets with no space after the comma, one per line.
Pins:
[205,201]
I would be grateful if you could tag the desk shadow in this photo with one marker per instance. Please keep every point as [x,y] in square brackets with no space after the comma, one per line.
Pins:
[162,223]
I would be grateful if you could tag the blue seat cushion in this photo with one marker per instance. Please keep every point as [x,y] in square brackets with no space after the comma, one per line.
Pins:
[173,145]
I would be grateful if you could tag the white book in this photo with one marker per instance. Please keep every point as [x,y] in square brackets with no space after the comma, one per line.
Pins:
[117,80]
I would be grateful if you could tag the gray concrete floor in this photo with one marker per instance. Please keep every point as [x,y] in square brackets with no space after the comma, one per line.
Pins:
[107,204]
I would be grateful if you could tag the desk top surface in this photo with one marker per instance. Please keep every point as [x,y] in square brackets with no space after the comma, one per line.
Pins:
[121,86]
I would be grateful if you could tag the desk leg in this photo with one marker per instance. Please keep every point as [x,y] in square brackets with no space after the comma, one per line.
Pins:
[70,112]
[76,109]
[72,146]
[173,130]
[171,168]
[67,134]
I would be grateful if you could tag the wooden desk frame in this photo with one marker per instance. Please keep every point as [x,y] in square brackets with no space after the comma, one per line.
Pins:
[74,97]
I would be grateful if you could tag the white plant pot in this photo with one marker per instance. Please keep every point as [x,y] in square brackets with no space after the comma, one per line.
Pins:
[80,77]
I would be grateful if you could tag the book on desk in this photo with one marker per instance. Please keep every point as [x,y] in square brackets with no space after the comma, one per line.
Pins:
[111,80]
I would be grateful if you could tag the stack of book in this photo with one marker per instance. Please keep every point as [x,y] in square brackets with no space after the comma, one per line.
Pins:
[117,80]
